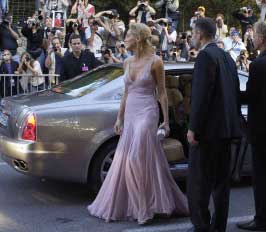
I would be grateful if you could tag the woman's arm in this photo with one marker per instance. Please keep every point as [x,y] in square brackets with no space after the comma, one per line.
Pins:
[158,74]
[121,113]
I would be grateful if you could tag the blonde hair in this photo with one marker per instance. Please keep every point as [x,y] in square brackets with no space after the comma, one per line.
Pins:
[143,34]
[260,28]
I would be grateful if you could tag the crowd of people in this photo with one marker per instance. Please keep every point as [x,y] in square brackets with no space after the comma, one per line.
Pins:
[49,33]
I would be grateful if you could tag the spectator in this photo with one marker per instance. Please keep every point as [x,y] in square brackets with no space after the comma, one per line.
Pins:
[246,17]
[242,62]
[200,13]
[121,52]
[262,5]
[78,61]
[84,10]
[167,36]
[169,10]
[114,27]
[31,67]
[192,54]
[249,42]
[34,34]
[9,66]
[74,28]
[183,44]
[56,5]
[235,45]
[3,6]
[9,36]
[221,28]
[54,59]
[155,34]
[109,58]
[142,11]
[94,34]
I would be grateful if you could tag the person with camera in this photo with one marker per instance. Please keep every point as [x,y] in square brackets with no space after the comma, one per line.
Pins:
[249,43]
[94,34]
[34,34]
[242,62]
[8,85]
[234,45]
[262,5]
[221,28]
[183,42]
[78,61]
[245,17]
[169,10]
[54,59]
[74,27]
[142,11]
[192,54]
[167,36]
[121,51]
[200,13]
[114,28]
[108,57]
[84,10]
[29,66]
[9,36]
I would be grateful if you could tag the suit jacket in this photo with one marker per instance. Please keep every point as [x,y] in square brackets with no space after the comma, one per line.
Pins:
[7,83]
[215,101]
[73,67]
[256,98]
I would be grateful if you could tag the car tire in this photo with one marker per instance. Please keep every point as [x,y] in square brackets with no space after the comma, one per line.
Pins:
[101,164]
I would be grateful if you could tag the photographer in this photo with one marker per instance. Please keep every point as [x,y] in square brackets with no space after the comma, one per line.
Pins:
[192,54]
[54,59]
[262,5]
[221,28]
[242,61]
[142,11]
[245,17]
[248,41]
[73,27]
[200,13]
[167,36]
[94,34]
[114,28]
[169,10]
[34,34]
[28,65]
[109,58]
[85,10]
[183,43]
[9,36]
[234,45]
[121,52]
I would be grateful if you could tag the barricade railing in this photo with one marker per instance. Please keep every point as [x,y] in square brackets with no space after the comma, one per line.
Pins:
[14,84]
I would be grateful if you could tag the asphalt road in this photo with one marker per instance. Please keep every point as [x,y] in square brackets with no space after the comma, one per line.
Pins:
[33,205]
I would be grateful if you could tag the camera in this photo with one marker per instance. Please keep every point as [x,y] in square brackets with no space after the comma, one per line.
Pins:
[27,58]
[55,49]
[184,35]
[107,52]
[122,45]
[75,25]
[197,13]
[142,5]
[95,23]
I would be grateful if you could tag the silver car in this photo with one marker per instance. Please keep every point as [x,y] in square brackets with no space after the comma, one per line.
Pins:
[67,133]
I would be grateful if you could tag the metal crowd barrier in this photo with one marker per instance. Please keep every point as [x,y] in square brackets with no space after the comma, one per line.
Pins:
[15,84]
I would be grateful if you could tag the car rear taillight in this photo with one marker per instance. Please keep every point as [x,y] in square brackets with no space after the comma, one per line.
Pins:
[29,130]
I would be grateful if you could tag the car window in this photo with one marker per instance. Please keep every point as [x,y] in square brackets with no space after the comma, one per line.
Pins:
[83,85]
[243,78]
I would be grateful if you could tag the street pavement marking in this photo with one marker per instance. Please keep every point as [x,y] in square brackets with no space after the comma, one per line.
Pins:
[183,226]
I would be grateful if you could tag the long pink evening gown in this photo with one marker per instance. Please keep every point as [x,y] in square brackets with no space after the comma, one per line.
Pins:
[139,183]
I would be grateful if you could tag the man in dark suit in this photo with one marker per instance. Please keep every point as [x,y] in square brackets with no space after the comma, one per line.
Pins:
[8,85]
[214,122]
[256,97]
[78,61]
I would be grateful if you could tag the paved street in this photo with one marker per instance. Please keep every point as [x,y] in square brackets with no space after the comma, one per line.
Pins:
[34,205]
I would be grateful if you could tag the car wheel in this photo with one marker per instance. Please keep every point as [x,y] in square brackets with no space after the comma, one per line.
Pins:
[101,165]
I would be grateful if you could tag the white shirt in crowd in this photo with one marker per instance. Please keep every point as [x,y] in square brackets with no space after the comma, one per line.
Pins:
[262,5]
[97,42]
[233,47]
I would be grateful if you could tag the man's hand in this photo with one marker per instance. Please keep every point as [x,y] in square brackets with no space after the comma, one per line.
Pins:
[191,138]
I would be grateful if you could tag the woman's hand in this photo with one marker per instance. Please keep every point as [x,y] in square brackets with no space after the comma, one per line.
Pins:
[118,127]
[166,127]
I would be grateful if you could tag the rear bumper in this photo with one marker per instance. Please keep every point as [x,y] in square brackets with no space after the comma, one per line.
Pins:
[48,160]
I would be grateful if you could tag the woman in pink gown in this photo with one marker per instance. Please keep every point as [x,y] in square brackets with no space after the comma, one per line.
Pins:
[139,183]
